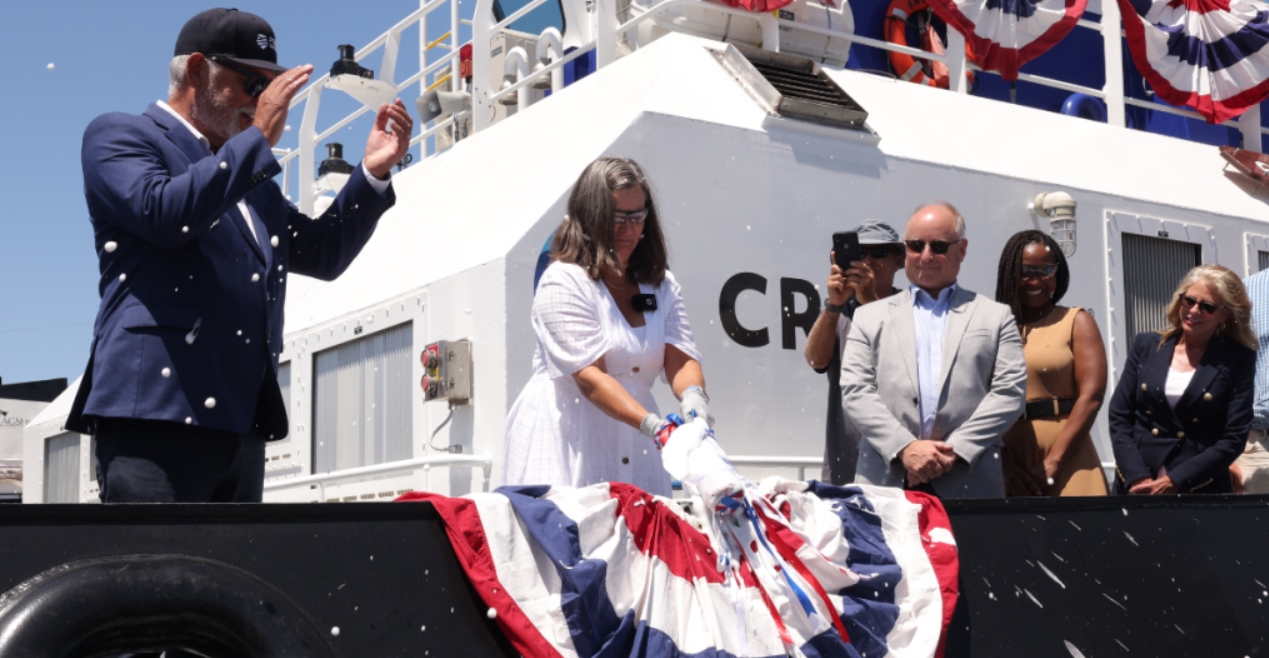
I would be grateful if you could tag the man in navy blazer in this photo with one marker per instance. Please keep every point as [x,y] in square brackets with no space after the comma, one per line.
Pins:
[195,243]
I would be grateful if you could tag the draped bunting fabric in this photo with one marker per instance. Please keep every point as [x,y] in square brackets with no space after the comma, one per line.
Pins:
[1209,55]
[767,5]
[1005,34]
[807,569]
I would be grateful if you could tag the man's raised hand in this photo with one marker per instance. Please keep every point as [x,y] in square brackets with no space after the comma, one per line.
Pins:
[275,102]
[388,143]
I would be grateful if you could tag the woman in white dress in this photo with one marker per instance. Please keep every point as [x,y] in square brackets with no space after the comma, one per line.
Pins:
[609,318]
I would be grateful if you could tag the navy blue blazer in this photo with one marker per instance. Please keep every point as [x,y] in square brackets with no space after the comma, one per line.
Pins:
[1202,436]
[190,323]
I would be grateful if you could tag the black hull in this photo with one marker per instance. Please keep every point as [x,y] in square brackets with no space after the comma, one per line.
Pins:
[1172,577]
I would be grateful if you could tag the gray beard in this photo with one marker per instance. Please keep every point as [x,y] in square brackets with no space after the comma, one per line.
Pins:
[221,119]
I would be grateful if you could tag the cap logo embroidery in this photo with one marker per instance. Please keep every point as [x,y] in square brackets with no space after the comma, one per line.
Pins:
[265,41]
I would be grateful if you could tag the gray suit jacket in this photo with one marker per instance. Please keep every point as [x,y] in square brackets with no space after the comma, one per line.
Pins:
[982,390]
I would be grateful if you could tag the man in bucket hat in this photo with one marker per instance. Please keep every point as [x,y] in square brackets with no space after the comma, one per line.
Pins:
[864,281]
[195,242]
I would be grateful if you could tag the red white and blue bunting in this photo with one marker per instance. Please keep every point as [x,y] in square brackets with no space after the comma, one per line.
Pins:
[1209,55]
[1005,34]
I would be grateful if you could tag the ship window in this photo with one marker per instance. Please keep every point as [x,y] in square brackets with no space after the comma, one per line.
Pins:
[1263,257]
[284,383]
[362,406]
[61,468]
[1152,269]
[548,14]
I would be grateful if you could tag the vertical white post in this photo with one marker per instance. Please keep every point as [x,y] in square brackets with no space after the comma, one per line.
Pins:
[423,57]
[1249,124]
[1114,56]
[482,107]
[306,161]
[956,67]
[770,26]
[455,41]
[606,33]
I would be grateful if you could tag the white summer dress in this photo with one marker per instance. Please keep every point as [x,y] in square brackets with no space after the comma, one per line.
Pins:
[554,435]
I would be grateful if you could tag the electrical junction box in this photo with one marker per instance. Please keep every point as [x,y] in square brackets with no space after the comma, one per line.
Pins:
[447,371]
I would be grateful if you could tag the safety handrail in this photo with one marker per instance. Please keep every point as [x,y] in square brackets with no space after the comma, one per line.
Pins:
[763,461]
[483,462]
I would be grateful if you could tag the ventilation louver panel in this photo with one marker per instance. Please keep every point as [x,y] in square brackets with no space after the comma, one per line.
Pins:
[793,87]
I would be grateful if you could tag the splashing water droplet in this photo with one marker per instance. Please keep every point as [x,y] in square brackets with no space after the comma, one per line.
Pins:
[188,420]
[123,277]
[166,372]
[184,229]
[210,403]
[224,165]
[193,333]
[273,240]
[492,614]
[255,277]
[334,631]
[111,246]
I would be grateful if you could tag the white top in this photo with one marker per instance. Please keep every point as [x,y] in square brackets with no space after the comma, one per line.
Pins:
[1176,385]
[554,435]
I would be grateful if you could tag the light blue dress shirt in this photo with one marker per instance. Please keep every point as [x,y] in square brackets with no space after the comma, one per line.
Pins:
[930,319]
[1258,291]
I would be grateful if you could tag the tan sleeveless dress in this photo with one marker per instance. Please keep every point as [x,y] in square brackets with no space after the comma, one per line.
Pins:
[1048,348]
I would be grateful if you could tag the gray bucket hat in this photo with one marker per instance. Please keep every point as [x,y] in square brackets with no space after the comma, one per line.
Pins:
[876,232]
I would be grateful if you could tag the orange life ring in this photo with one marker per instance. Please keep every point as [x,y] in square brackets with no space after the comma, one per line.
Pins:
[905,66]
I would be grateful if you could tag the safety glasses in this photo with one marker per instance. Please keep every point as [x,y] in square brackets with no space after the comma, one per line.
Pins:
[254,85]
[1207,308]
[939,247]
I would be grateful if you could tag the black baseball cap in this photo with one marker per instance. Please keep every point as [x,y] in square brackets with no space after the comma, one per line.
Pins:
[235,35]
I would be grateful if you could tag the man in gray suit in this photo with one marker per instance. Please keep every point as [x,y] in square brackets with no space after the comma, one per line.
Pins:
[934,375]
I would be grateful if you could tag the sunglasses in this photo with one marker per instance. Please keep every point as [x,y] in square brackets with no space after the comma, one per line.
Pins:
[1207,308]
[635,218]
[876,253]
[939,247]
[1042,272]
[255,83]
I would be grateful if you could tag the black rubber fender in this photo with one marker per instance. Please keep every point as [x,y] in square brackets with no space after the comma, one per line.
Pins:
[148,603]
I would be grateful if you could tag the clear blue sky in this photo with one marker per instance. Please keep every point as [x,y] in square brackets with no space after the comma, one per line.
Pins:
[112,55]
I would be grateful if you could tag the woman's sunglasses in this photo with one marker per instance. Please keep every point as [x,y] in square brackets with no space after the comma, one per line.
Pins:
[939,247]
[254,85]
[636,218]
[1207,308]
[1042,272]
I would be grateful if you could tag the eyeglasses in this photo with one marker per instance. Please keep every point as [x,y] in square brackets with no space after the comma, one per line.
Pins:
[633,218]
[939,247]
[1042,272]
[1207,308]
[876,253]
[255,83]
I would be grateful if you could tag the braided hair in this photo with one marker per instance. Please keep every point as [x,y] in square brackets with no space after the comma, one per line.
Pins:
[1009,274]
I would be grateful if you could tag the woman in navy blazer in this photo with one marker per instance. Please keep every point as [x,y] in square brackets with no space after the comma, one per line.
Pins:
[1171,435]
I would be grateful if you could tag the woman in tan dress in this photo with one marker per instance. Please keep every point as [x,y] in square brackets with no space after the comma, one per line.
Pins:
[1049,452]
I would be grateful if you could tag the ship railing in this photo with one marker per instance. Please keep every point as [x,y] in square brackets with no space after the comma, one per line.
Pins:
[404,467]
[604,35]
[304,156]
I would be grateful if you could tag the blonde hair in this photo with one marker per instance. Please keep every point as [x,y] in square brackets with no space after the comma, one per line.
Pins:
[1233,296]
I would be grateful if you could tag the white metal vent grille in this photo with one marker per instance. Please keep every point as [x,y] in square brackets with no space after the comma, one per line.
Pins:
[1152,269]
[61,468]
[362,407]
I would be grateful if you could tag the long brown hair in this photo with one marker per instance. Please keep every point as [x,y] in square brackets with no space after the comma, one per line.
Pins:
[1233,296]
[585,237]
